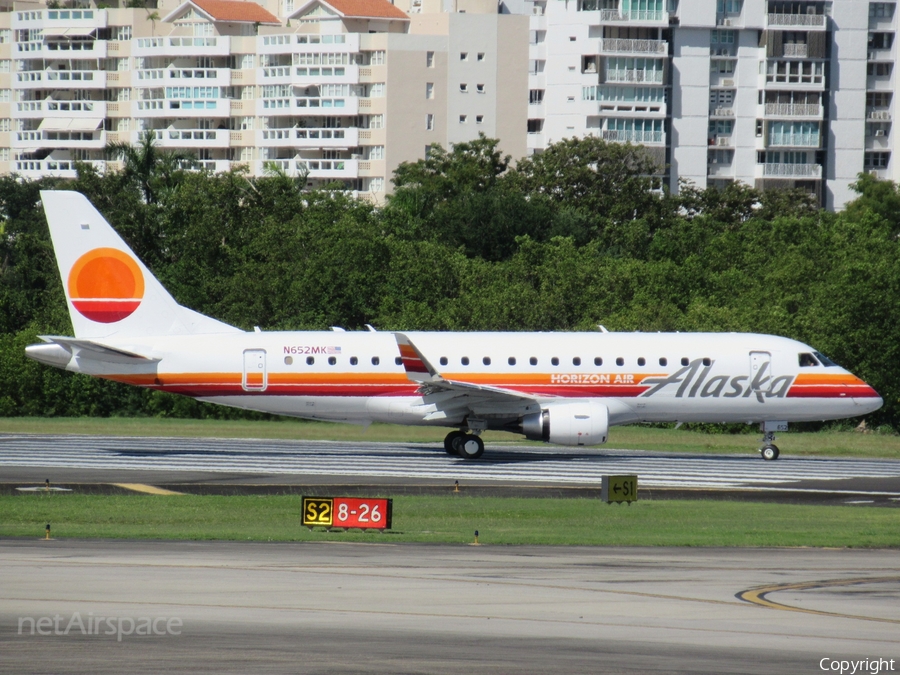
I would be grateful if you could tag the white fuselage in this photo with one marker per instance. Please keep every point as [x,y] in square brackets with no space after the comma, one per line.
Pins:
[357,377]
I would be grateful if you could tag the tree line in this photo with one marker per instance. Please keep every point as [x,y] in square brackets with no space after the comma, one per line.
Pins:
[561,241]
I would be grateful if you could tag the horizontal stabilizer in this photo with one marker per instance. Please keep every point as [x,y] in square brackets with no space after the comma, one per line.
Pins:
[85,349]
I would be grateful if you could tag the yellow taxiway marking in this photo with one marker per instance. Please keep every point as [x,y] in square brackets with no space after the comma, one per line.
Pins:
[147,489]
[757,596]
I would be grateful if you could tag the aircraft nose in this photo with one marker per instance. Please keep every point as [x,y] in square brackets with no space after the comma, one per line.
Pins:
[866,398]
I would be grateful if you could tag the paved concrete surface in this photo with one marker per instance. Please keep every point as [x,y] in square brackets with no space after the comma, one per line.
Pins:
[386,608]
[210,464]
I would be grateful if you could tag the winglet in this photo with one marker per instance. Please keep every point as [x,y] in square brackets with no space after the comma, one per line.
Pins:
[418,369]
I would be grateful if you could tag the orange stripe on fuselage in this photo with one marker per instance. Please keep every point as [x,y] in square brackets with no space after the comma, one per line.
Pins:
[823,378]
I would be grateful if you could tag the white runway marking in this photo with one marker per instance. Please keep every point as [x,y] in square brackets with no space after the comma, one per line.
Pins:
[505,463]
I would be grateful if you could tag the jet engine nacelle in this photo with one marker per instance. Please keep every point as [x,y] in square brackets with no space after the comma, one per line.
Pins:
[575,423]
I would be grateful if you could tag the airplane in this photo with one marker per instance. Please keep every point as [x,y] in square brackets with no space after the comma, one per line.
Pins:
[563,388]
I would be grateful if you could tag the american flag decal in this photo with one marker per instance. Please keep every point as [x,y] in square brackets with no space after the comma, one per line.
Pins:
[332,350]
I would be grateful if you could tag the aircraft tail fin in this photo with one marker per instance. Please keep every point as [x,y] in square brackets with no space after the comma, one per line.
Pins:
[110,293]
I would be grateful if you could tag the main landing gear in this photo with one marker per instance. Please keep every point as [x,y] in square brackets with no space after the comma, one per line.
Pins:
[463,444]
[769,450]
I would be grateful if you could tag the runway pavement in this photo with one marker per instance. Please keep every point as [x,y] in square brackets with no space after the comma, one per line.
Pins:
[86,459]
[223,607]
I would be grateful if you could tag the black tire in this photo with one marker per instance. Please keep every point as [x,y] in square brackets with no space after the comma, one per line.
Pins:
[769,452]
[450,441]
[470,446]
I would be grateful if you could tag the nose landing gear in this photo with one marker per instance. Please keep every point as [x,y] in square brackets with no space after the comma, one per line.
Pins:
[769,450]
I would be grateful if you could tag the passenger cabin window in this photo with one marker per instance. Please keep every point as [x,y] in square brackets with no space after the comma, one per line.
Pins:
[332,360]
[398,360]
[620,361]
[375,360]
[465,360]
[685,361]
[554,361]
[310,360]
[807,360]
[353,360]
[288,360]
[511,360]
[707,362]
[663,361]
[486,360]
[642,361]
[533,360]
[598,361]
[576,361]
[444,361]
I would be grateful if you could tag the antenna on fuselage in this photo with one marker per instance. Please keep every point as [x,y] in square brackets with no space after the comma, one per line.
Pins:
[602,328]
[370,328]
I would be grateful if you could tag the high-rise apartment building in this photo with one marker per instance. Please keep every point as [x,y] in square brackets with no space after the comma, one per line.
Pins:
[772,93]
[339,90]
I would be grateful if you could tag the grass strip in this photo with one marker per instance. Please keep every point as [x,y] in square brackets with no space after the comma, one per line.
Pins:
[636,437]
[454,519]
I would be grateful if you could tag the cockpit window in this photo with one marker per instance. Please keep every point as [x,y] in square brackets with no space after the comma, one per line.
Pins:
[825,361]
[807,360]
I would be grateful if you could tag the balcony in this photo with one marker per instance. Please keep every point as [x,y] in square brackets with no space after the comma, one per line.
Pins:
[878,115]
[792,170]
[804,20]
[794,140]
[190,138]
[343,106]
[619,46]
[726,113]
[310,138]
[335,169]
[614,15]
[649,76]
[56,109]
[183,46]
[41,138]
[60,168]
[720,141]
[796,50]
[630,136]
[65,79]
[793,110]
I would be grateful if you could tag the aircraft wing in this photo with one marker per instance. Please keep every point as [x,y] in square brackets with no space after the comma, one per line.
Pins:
[453,399]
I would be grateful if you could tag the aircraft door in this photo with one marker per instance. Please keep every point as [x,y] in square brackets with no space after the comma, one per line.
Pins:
[255,376]
[761,372]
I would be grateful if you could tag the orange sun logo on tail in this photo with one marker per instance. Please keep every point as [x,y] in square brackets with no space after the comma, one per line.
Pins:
[106,285]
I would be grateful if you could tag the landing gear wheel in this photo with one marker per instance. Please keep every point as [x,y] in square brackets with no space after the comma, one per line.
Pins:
[450,441]
[470,446]
[769,452]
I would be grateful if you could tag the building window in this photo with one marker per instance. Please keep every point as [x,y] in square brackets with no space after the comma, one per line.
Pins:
[722,37]
[429,122]
[375,152]
[464,88]
[536,96]
[876,160]
[376,184]
[729,6]
[535,126]
[479,119]
[464,56]
[479,88]
[879,69]
[429,90]
[480,56]
[429,59]
[376,121]
[881,10]
[463,119]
